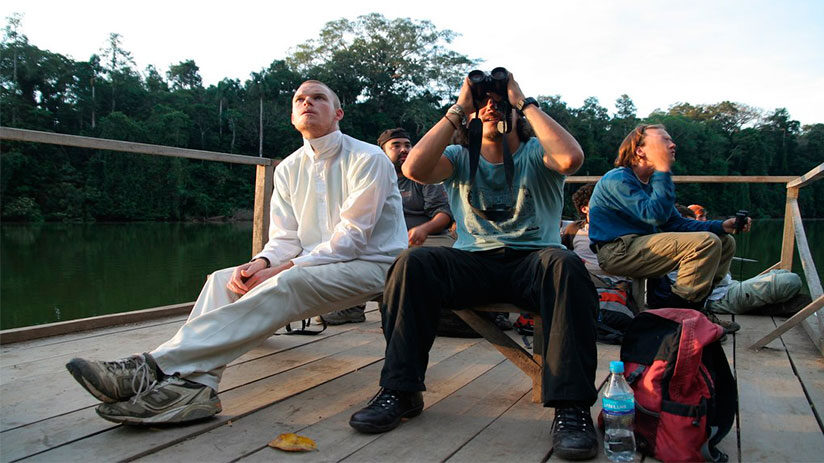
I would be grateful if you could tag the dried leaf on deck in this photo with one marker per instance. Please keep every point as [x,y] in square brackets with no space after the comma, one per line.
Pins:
[292,442]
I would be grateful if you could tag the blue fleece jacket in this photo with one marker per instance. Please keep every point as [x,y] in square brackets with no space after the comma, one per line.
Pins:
[623,205]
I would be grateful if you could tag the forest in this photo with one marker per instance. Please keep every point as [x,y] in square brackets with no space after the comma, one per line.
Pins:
[387,73]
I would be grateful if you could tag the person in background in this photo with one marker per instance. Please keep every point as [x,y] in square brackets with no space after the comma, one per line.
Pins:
[766,294]
[425,210]
[698,211]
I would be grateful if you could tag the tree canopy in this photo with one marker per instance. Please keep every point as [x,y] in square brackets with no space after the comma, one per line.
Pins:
[387,72]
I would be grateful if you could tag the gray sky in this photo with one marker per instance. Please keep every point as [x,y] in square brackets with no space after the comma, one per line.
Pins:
[762,53]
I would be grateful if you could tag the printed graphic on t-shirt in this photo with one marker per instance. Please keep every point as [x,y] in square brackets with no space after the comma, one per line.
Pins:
[524,221]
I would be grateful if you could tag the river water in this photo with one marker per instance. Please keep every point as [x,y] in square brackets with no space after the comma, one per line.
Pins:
[56,272]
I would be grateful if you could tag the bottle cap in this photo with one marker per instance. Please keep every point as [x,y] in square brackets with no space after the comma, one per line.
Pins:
[616,366]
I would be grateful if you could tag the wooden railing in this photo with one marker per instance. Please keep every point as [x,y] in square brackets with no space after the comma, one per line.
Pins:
[263,176]
[811,316]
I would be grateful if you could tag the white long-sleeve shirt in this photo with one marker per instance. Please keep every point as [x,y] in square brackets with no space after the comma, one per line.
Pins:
[334,203]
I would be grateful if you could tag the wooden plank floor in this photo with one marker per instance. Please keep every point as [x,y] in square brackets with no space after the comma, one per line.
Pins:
[478,405]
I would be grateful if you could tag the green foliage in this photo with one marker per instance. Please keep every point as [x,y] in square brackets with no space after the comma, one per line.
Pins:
[387,73]
[375,57]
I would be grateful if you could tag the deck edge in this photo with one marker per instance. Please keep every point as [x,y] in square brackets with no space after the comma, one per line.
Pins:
[28,333]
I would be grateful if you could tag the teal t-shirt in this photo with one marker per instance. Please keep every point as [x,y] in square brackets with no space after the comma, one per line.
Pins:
[538,202]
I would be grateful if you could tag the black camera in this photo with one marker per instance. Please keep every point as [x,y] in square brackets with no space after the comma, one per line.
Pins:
[741,220]
[481,83]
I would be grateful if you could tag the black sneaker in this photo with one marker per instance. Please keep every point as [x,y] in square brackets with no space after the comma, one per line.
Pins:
[675,301]
[350,315]
[573,434]
[729,326]
[386,409]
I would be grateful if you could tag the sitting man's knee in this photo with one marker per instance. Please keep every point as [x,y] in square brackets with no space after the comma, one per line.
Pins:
[710,241]
[562,259]
[412,261]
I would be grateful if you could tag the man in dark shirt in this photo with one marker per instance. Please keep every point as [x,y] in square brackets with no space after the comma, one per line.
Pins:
[425,207]
[425,210]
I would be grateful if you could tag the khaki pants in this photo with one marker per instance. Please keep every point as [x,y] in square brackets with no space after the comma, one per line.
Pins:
[773,287]
[224,326]
[702,259]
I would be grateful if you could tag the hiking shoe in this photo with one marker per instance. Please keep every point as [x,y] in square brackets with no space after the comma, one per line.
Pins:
[501,320]
[525,324]
[115,381]
[729,326]
[385,411]
[173,400]
[350,315]
[573,434]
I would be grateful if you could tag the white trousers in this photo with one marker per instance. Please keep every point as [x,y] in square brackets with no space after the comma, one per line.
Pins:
[223,326]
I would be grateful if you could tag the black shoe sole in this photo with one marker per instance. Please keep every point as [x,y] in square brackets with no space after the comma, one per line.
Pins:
[183,414]
[576,454]
[369,428]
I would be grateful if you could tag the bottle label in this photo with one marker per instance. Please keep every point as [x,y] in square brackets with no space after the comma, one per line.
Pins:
[619,406]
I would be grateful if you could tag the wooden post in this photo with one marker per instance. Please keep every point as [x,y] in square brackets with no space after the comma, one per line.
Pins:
[814,328]
[788,243]
[263,197]
[799,317]
[537,355]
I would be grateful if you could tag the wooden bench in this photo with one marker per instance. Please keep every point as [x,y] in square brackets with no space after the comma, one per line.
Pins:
[531,364]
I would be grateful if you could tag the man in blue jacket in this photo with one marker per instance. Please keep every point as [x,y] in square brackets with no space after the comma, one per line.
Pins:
[636,230]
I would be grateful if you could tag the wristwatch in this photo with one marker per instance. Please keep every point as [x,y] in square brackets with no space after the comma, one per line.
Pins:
[458,111]
[524,103]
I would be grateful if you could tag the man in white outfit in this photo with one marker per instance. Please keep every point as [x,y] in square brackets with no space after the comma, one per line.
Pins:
[336,226]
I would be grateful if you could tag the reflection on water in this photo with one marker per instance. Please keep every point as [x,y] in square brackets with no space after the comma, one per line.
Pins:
[764,245]
[56,272]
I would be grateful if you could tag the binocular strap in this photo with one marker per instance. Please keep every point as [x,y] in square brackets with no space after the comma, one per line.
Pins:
[475,135]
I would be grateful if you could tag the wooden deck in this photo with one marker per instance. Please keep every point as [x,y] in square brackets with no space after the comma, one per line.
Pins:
[478,405]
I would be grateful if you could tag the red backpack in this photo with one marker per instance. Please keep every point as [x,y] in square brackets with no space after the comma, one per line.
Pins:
[685,394]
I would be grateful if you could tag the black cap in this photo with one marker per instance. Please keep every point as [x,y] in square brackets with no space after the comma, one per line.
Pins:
[389,134]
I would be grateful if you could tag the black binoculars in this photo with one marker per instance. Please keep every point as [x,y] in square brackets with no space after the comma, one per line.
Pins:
[741,220]
[481,83]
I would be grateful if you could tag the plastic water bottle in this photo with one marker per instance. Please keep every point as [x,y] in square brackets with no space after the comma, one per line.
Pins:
[619,414]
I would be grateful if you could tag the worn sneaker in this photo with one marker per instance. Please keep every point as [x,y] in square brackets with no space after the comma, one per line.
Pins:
[350,315]
[501,320]
[115,381]
[173,400]
[573,434]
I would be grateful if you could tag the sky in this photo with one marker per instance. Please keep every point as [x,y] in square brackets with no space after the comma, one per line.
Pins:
[762,53]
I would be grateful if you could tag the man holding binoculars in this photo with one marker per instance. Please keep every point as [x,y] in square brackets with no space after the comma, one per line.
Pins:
[505,188]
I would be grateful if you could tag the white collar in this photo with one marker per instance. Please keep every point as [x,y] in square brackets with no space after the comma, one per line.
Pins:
[325,146]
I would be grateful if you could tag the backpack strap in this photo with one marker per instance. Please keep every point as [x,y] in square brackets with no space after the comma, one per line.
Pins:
[633,377]
[687,361]
[304,324]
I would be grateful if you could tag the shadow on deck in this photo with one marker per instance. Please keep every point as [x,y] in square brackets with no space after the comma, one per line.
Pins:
[478,403]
